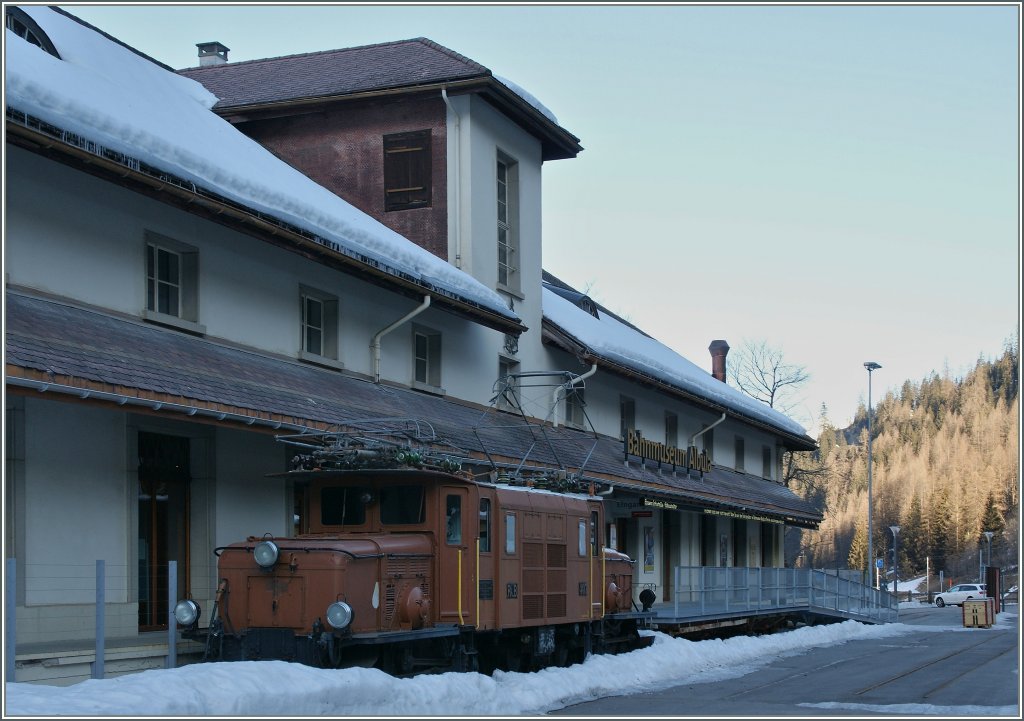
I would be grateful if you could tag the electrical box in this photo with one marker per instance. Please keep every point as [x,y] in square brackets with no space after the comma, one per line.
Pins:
[978,613]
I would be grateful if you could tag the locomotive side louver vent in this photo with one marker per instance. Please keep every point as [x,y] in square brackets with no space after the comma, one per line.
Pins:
[390,597]
[533,555]
[400,574]
[557,578]
[533,607]
[556,555]
[556,605]
[533,581]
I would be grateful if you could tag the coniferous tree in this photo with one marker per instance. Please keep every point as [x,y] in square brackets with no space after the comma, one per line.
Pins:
[940,531]
[914,539]
[992,520]
[858,555]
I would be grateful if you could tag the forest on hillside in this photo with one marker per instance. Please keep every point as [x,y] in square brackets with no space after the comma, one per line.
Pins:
[945,469]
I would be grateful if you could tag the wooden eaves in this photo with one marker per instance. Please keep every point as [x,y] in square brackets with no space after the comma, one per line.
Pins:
[557,143]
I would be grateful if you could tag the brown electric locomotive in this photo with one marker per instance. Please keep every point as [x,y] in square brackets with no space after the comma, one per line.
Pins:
[408,564]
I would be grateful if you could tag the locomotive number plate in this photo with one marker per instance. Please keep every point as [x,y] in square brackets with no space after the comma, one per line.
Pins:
[512,590]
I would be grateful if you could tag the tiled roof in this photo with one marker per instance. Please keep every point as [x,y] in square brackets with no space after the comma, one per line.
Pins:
[65,342]
[403,63]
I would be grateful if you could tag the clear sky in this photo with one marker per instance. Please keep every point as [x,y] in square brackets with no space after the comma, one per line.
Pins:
[842,182]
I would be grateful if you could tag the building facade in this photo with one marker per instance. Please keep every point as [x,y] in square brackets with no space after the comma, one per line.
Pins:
[178,296]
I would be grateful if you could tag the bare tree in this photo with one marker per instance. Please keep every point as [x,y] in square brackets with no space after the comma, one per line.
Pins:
[762,372]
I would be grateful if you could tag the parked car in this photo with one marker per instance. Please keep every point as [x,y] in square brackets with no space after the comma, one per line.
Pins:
[958,594]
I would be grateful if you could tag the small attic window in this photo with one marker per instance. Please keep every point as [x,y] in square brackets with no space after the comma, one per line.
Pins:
[588,305]
[26,28]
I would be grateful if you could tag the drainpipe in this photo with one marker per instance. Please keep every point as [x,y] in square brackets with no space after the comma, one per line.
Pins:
[375,345]
[458,178]
[566,386]
[702,432]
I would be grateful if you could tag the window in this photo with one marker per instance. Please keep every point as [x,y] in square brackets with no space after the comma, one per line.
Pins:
[172,282]
[453,517]
[343,506]
[766,461]
[627,416]
[671,429]
[402,505]
[407,170]
[583,537]
[507,386]
[485,525]
[19,23]
[709,443]
[574,405]
[593,533]
[740,452]
[508,221]
[426,357]
[510,533]
[319,313]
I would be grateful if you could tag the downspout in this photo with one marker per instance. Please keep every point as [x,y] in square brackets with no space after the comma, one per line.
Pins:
[705,430]
[375,345]
[566,386]
[458,178]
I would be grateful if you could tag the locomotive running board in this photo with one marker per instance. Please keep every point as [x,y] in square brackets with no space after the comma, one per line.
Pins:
[377,638]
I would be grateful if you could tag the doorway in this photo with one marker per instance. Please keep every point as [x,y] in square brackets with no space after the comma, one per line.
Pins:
[163,523]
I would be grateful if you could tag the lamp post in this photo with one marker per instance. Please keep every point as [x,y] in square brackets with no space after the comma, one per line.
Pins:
[988,558]
[895,561]
[871,366]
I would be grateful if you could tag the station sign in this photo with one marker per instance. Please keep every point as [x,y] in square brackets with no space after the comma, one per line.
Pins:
[636,445]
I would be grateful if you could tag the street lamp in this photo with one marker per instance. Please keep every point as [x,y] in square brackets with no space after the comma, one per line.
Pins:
[988,560]
[871,366]
[895,561]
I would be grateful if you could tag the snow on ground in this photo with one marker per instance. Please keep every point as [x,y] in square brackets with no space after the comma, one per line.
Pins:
[276,688]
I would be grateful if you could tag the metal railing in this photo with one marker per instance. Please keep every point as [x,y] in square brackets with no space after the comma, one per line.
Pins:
[78,580]
[710,590]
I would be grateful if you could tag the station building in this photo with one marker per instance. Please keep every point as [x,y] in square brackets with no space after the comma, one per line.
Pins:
[199,262]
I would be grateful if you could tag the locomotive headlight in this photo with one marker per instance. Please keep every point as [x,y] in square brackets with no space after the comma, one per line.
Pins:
[186,612]
[266,553]
[339,615]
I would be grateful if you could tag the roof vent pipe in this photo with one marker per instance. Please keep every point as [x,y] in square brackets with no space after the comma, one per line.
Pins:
[375,345]
[212,54]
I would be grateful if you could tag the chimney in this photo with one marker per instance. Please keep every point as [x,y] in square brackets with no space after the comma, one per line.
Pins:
[719,349]
[212,54]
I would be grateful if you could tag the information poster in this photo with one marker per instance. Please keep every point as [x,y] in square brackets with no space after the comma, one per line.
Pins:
[648,549]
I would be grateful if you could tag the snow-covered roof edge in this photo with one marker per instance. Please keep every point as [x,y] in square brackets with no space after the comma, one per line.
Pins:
[528,97]
[608,338]
[103,91]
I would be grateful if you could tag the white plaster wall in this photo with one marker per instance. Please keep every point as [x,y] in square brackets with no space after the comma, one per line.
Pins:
[248,289]
[76,498]
[483,133]
[248,502]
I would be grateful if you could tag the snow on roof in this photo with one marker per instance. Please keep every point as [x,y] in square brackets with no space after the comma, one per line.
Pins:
[541,108]
[616,341]
[112,96]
